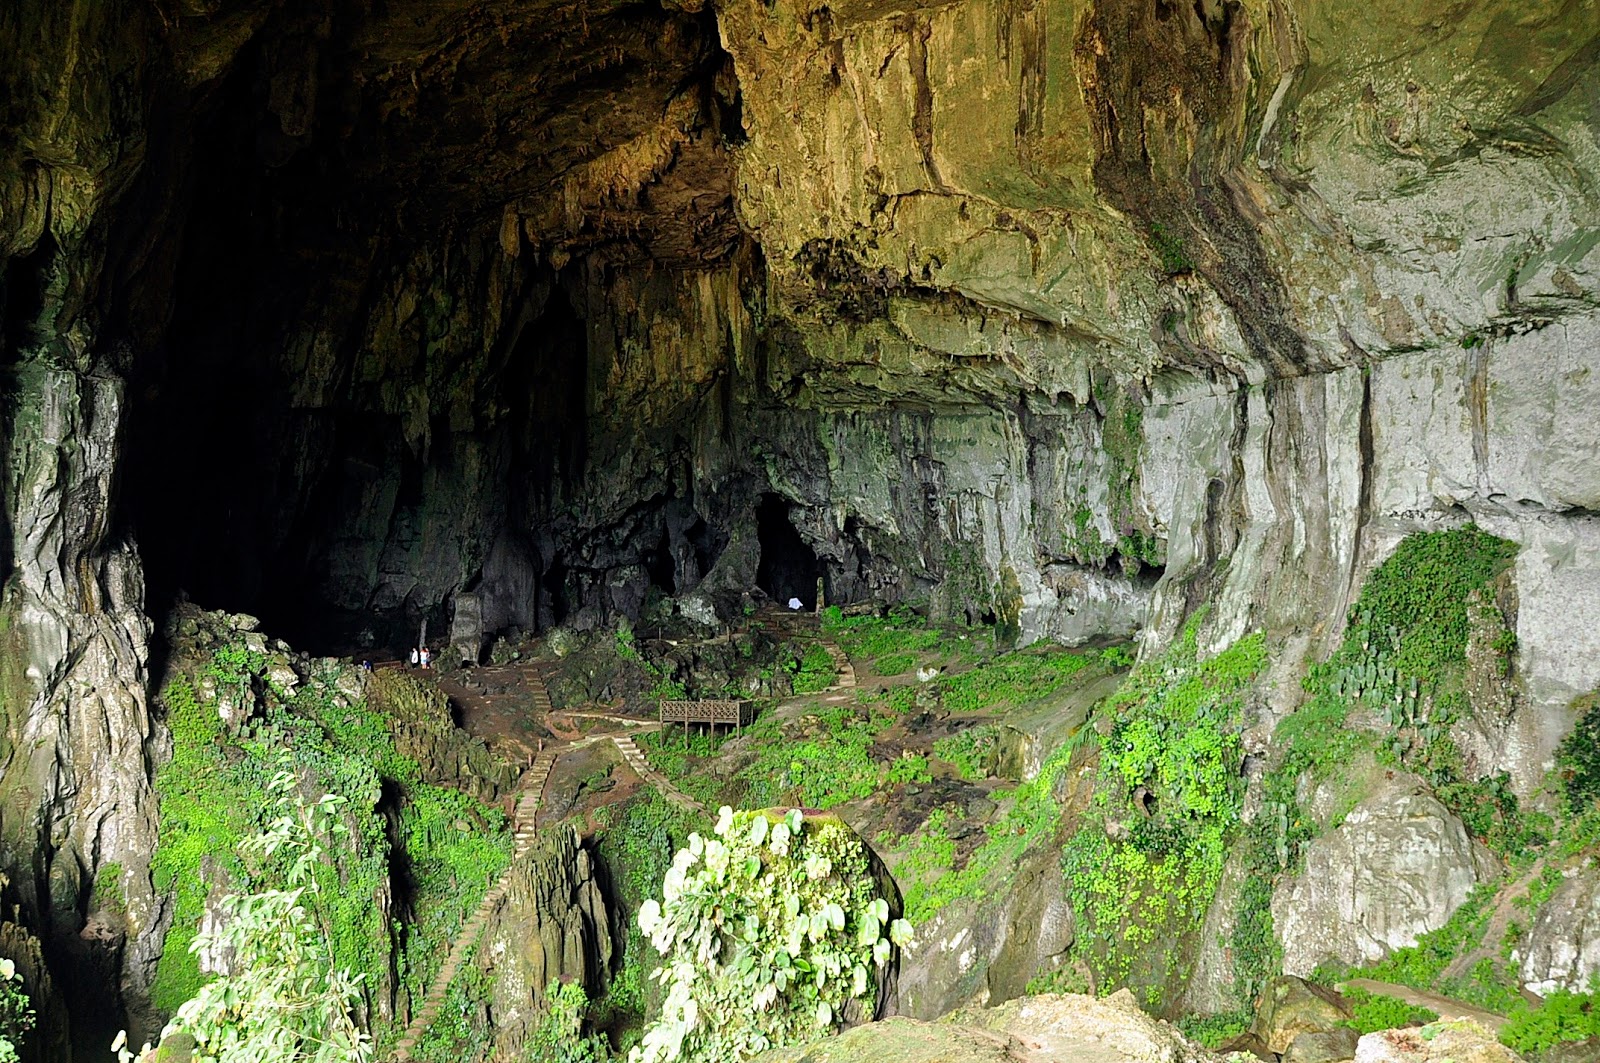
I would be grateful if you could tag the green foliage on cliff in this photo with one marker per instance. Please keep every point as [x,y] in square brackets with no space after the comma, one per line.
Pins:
[1563,1017]
[1029,820]
[636,844]
[559,1036]
[1169,779]
[769,932]
[285,998]
[213,796]
[1578,759]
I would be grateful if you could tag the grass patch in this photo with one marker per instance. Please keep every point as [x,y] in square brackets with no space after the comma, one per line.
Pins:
[1014,679]
[894,663]
[901,632]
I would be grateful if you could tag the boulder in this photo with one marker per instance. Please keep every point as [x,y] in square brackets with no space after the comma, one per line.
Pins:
[1397,866]
[1290,1007]
[1562,950]
[1329,1046]
[1461,1041]
[552,926]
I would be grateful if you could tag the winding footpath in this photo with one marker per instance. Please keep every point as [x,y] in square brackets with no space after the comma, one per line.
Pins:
[525,827]
[524,824]
[634,757]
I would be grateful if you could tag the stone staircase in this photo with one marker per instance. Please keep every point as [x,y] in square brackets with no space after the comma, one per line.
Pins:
[524,825]
[538,693]
[842,666]
[634,757]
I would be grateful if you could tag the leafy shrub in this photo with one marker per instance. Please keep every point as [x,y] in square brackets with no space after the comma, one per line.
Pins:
[1214,1031]
[16,1012]
[769,930]
[1375,1011]
[284,1000]
[1564,1016]
[909,767]
[1578,758]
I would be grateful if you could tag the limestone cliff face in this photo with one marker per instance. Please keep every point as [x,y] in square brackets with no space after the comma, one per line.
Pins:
[1067,314]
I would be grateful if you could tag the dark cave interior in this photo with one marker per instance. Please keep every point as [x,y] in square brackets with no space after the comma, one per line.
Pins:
[788,567]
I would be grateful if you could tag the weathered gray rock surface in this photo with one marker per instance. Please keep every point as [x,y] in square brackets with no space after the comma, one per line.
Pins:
[1396,868]
[1070,315]
[1562,950]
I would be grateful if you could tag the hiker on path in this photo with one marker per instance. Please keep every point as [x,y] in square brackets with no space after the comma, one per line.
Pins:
[416,657]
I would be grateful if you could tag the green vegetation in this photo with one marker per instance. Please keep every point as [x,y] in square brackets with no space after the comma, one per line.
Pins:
[925,859]
[814,671]
[286,999]
[1564,1016]
[1170,250]
[1214,1031]
[1013,679]
[1168,772]
[214,795]
[1578,758]
[1490,984]
[895,663]
[1375,1011]
[108,895]
[637,848]
[970,751]
[901,631]
[559,1036]
[455,1034]
[830,764]
[16,1012]
[1403,660]
[768,931]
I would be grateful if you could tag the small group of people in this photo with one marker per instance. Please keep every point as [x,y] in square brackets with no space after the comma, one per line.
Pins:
[421,657]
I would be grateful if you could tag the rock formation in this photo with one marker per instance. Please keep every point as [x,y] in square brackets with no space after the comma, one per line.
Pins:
[1062,315]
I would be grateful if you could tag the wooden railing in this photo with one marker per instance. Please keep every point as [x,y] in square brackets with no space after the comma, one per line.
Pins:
[735,714]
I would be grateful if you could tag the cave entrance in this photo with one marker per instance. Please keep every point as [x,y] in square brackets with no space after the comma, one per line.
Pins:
[788,566]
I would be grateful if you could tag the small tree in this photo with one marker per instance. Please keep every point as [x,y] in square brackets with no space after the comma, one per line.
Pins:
[769,930]
[282,1000]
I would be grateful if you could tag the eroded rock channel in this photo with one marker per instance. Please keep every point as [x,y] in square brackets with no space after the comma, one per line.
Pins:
[1128,469]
